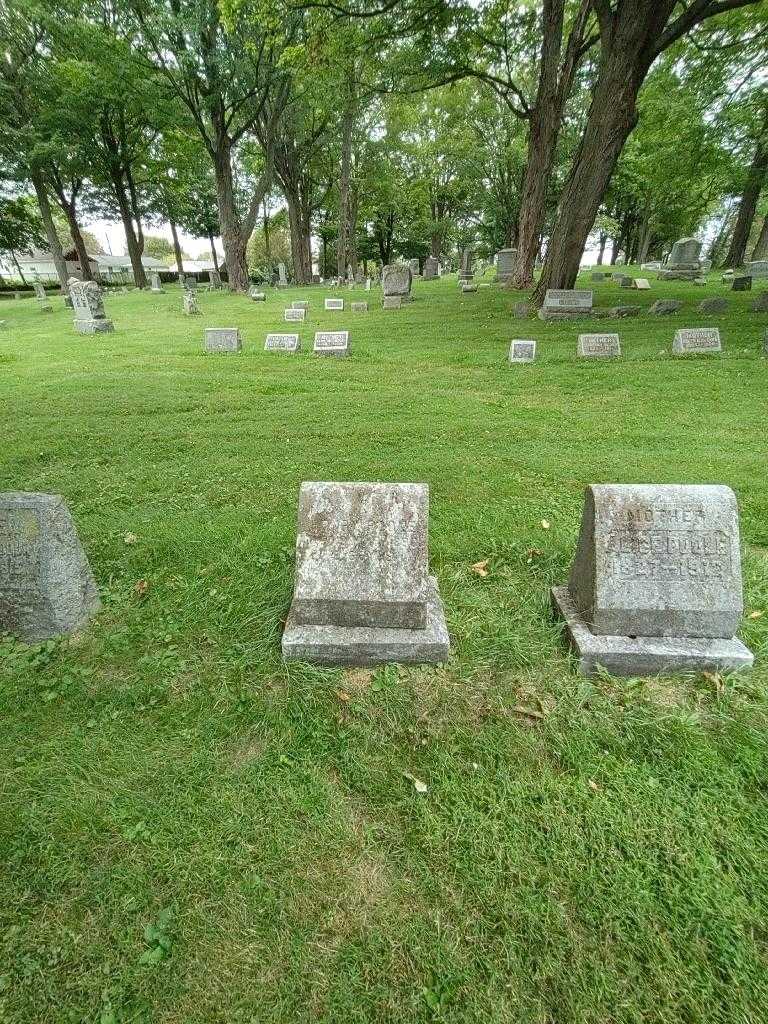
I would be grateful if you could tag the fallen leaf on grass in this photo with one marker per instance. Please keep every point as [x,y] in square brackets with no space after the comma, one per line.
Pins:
[481,568]
[756,615]
[418,785]
[717,681]
[545,524]
[593,785]
[533,553]
[343,695]
[528,712]
[130,538]
[140,588]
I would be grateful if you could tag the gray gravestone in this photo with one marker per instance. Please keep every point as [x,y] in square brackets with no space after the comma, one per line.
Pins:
[742,284]
[362,591]
[696,339]
[466,287]
[46,586]
[653,265]
[88,307]
[42,297]
[627,282]
[367,284]
[662,307]
[522,310]
[414,267]
[760,305]
[282,343]
[716,305]
[522,350]
[430,268]
[300,304]
[598,275]
[222,339]
[565,304]
[282,278]
[396,279]
[190,283]
[154,282]
[189,301]
[295,315]
[256,296]
[359,307]
[598,346]
[331,304]
[683,263]
[214,280]
[505,264]
[642,284]
[655,585]
[757,268]
[392,302]
[331,343]
[465,269]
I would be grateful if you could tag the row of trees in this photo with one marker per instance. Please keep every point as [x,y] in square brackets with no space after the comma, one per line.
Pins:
[400,127]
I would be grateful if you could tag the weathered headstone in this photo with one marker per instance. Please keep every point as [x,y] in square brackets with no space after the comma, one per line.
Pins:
[653,265]
[88,306]
[700,282]
[760,305]
[392,302]
[154,282]
[757,268]
[292,315]
[300,304]
[414,265]
[598,346]
[367,284]
[214,281]
[663,307]
[466,287]
[190,283]
[222,339]
[715,305]
[190,306]
[683,263]
[696,339]
[334,304]
[627,282]
[42,297]
[522,350]
[359,307]
[362,592]
[655,585]
[566,304]
[331,343]
[396,279]
[256,296]
[742,284]
[282,343]
[46,585]
[282,277]
[465,268]
[642,284]
[505,264]
[597,275]
[522,310]
[430,268]
[618,278]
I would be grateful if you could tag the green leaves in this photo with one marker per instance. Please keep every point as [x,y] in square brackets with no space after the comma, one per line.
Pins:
[157,938]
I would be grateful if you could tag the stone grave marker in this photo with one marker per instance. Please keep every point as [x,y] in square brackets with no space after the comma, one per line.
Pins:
[214,280]
[88,306]
[467,287]
[332,304]
[396,279]
[598,275]
[359,307]
[598,346]
[430,268]
[683,263]
[622,311]
[505,264]
[282,343]
[522,350]
[190,283]
[653,265]
[154,282]
[414,265]
[222,339]
[627,282]
[256,296]
[42,297]
[565,304]
[46,585]
[655,585]
[715,305]
[465,268]
[392,302]
[362,591]
[331,343]
[642,284]
[521,310]
[760,305]
[367,284]
[300,304]
[189,303]
[282,279]
[757,268]
[742,284]
[696,339]
[663,307]
[292,315]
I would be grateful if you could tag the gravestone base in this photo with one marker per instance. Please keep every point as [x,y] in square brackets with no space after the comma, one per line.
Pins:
[565,314]
[679,275]
[93,326]
[370,645]
[645,655]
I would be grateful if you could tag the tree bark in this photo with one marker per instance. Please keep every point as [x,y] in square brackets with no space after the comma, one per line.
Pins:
[342,245]
[748,204]
[69,209]
[38,183]
[603,241]
[214,256]
[760,252]
[267,242]
[176,246]
[132,242]
[229,219]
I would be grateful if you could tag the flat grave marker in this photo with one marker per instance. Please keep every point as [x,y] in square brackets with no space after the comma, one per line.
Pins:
[522,350]
[598,346]
[222,339]
[331,343]
[282,343]
[295,315]
[331,304]
[696,339]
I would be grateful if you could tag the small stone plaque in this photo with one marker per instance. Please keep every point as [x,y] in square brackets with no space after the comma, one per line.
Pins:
[331,343]
[334,303]
[642,283]
[697,339]
[300,304]
[468,288]
[46,586]
[392,302]
[282,343]
[566,303]
[293,315]
[222,339]
[742,284]
[257,296]
[598,346]
[359,307]
[522,350]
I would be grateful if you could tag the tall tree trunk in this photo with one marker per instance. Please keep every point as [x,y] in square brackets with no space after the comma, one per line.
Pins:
[298,219]
[748,203]
[176,246]
[267,243]
[615,246]
[132,242]
[214,255]
[38,183]
[354,202]
[342,245]
[760,252]
[18,267]
[603,241]
[77,238]
[229,220]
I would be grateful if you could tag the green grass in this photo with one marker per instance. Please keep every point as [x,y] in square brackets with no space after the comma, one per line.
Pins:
[588,852]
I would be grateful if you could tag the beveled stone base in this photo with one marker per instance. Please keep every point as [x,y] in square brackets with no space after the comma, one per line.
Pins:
[645,655]
[678,275]
[93,326]
[363,645]
[566,314]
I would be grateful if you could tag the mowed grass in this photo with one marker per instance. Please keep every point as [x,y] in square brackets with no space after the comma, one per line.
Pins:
[192,831]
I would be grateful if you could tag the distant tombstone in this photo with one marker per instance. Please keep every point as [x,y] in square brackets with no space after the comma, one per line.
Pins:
[742,284]
[619,312]
[663,307]
[466,287]
[214,280]
[617,277]
[292,315]
[282,343]
[642,284]
[331,304]
[300,304]
[627,282]
[683,263]
[367,284]
[414,265]
[88,307]
[598,275]
[522,310]
[757,268]
[565,304]
[42,297]
[465,269]
[331,343]
[189,303]
[396,279]
[392,302]
[760,305]
[46,585]
[653,265]
[505,264]
[598,346]
[715,305]
[190,283]
[362,590]
[656,585]
[700,281]
[222,339]
[359,307]
[181,278]
[256,296]
[282,277]
[154,282]
[430,268]
[696,339]
[522,350]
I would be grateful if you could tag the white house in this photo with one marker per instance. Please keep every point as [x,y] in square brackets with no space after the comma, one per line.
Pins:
[39,265]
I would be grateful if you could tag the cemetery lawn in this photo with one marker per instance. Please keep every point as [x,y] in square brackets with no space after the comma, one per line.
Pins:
[193,831]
